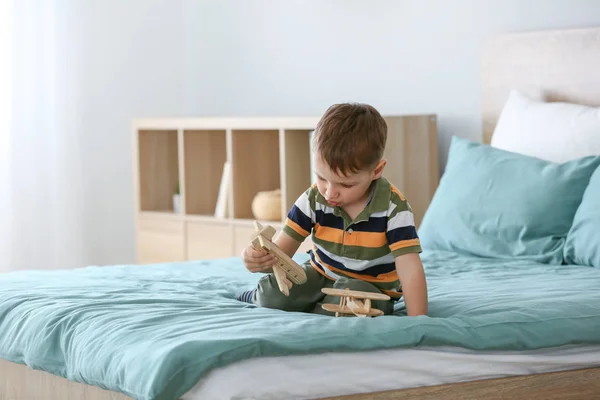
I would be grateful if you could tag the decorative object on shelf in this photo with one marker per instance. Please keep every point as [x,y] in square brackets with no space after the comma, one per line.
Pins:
[285,267]
[177,200]
[267,205]
[221,209]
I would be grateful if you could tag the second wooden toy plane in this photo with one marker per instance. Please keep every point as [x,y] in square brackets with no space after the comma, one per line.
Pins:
[354,302]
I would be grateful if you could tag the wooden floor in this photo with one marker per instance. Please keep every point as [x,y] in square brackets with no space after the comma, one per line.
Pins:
[578,384]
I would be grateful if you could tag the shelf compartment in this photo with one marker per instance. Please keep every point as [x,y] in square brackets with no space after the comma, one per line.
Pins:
[255,167]
[158,169]
[296,167]
[160,240]
[205,153]
[206,240]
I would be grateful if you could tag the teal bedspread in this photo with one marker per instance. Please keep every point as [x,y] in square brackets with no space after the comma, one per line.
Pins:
[152,331]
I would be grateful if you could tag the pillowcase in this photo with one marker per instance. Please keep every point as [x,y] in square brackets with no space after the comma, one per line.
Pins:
[583,241]
[498,204]
[556,132]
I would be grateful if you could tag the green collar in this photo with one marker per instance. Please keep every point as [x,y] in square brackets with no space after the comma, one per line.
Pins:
[380,201]
[381,196]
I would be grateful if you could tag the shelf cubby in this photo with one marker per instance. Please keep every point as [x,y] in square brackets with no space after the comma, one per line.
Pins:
[205,153]
[158,164]
[296,165]
[255,167]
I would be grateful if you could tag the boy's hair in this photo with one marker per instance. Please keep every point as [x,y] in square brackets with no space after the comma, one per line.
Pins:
[350,137]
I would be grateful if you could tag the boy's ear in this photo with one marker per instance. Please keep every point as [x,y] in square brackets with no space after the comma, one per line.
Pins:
[379,167]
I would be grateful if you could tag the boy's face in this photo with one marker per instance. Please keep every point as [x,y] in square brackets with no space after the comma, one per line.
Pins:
[345,190]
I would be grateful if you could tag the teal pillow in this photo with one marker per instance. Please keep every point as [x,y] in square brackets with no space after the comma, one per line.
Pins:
[583,241]
[498,204]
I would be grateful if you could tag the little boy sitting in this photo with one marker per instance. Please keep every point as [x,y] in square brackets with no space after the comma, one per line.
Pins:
[362,227]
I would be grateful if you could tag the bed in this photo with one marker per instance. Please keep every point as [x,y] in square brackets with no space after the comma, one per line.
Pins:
[514,326]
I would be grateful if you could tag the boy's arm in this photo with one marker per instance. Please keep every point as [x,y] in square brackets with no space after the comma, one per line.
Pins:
[298,224]
[405,246]
[286,243]
[414,286]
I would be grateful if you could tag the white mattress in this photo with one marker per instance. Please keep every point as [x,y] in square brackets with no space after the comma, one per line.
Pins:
[334,374]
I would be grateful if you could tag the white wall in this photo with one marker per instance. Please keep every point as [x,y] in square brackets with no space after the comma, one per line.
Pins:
[169,58]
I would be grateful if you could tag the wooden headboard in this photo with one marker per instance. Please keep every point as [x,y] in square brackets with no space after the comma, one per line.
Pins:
[559,65]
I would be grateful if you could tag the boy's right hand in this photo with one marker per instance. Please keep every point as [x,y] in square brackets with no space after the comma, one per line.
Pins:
[258,260]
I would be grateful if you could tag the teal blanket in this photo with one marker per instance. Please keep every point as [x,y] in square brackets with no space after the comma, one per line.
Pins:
[152,331]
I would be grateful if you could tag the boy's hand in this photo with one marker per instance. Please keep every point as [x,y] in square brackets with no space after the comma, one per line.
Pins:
[258,260]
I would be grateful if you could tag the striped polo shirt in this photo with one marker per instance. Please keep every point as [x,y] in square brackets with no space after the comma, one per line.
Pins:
[363,248]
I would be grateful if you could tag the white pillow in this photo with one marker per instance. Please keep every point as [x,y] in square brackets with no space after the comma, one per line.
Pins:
[557,132]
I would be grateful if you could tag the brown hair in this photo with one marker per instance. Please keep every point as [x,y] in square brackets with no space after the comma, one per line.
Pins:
[350,137]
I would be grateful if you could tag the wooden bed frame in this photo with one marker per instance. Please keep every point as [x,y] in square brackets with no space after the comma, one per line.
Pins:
[552,65]
[19,382]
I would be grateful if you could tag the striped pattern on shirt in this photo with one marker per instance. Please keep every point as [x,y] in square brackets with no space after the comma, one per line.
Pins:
[364,248]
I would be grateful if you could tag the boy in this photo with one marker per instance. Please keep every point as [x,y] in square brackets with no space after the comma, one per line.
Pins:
[362,226]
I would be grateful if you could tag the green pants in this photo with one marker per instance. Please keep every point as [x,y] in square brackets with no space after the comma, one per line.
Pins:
[308,296]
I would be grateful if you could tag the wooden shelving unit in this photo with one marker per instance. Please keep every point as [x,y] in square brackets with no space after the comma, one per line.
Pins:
[265,154]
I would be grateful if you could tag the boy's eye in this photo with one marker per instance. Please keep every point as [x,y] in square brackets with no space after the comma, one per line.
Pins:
[344,185]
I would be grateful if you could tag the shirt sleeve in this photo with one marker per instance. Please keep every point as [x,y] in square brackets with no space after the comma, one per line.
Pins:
[401,231]
[301,218]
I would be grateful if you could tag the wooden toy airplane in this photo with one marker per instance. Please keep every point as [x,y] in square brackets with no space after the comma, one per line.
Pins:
[354,302]
[285,267]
